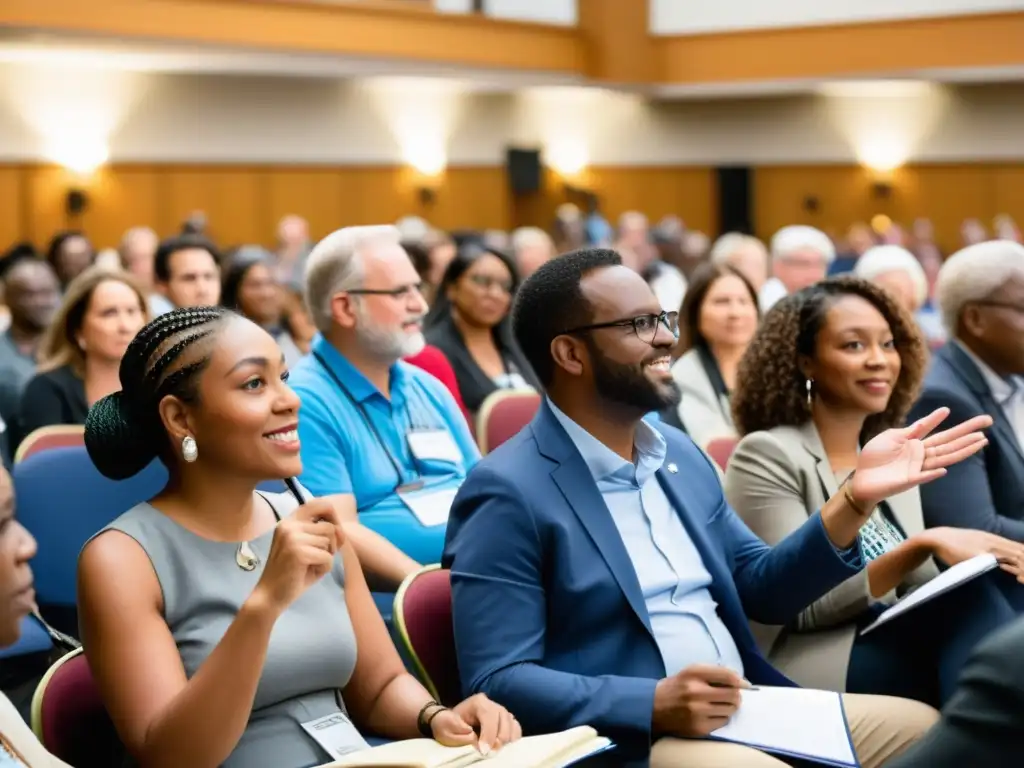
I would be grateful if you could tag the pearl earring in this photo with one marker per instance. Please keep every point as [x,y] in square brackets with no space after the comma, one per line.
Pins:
[810,393]
[189,449]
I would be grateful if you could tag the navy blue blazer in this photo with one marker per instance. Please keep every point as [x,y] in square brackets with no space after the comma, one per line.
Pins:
[549,617]
[986,491]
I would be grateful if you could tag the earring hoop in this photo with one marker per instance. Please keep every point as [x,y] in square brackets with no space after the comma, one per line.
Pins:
[810,392]
[189,449]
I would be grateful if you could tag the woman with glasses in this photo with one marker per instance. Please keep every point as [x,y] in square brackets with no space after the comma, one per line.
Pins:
[469,323]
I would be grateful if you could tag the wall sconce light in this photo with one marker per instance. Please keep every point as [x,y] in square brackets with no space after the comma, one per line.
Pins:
[76,202]
[881,189]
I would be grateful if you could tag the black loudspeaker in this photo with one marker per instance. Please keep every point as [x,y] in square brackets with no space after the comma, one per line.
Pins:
[735,211]
[524,170]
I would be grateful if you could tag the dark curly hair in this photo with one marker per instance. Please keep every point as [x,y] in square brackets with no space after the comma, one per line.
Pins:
[771,387]
[123,431]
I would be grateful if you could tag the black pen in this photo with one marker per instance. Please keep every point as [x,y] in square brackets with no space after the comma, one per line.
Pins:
[293,487]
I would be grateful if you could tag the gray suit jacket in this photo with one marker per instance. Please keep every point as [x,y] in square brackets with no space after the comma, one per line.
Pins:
[982,726]
[703,413]
[775,481]
[986,491]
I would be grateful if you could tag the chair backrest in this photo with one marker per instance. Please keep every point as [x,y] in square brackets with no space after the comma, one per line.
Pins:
[69,718]
[503,414]
[45,438]
[720,450]
[423,618]
[63,500]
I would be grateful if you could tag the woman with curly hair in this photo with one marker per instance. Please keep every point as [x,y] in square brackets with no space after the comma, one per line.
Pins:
[831,367]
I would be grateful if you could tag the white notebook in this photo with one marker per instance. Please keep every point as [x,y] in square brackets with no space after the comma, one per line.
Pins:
[949,579]
[556,750]
[793,722]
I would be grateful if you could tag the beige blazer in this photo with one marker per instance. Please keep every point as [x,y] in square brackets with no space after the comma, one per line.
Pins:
[775,481]
[16,733]
[704,414]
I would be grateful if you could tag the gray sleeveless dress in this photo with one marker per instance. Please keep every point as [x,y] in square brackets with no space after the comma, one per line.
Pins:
[312,650]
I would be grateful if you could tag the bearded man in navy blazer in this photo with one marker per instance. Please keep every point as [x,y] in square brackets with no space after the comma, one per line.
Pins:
[599,577]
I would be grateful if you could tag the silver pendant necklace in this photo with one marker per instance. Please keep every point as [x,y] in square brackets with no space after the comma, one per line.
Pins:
[245,558]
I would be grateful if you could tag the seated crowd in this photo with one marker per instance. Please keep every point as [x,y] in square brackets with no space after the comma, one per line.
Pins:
[604,569]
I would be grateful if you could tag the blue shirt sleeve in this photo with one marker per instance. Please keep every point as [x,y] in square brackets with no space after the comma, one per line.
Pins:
[324,448]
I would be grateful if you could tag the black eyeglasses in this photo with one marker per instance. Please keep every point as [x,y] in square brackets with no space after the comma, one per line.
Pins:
[395,293]
[644,326]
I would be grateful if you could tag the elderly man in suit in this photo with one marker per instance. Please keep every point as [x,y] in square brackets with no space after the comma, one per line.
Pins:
[599,577]
[981,293]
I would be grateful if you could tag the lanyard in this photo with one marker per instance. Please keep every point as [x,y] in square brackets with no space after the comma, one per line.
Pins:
[399,474]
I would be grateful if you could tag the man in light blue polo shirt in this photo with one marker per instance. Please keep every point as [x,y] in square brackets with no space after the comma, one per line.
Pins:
[371,425]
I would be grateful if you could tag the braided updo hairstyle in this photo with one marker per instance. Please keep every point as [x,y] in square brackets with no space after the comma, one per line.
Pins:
[123,432]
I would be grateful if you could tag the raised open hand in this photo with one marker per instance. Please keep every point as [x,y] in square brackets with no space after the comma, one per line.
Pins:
[900,459]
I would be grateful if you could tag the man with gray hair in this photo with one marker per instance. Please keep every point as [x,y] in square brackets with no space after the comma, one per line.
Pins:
[532,247]
[383,433]
[800,258]
[981,294]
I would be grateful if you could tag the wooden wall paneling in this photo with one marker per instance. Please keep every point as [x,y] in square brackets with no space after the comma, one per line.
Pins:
[234,199]
[45,188]
[948,194]
[13,211]
[472,198]
[316,194]
[121,197]
[1008,183]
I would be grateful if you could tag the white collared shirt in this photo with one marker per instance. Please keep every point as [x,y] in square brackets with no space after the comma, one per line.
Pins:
[1008,393]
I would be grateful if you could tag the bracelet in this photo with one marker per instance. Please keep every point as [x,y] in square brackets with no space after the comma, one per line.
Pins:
[423,722]
[848,495]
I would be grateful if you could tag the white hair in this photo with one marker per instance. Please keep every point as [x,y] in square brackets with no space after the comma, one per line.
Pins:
[632,219]
[413,229]
[882,259]
[797,238]
[974,273]
[335,264]
[732,242]
[531,237]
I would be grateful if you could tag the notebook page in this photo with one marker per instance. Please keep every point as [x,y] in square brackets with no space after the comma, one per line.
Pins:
[944,582]
[548,751]
[800,722]
[411,753]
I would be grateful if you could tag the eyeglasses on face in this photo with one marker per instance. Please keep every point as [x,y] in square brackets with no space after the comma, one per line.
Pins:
[402,292]
[644,326]
[486,282]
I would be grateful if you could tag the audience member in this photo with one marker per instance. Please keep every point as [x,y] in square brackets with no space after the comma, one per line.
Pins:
[598,575]
[295,319]
[79,354]
[899,272]
[19,747]
[293,246]
[222,625]
[32,295]
[800,257]
[718,320]
[633,241]
[744,253]
[138,255]
[187,270]
[381,431]
[832,367]
[983,724]
[469,323]
[981,294]
[251,290]
[532,247]
[70,253]
[859,239]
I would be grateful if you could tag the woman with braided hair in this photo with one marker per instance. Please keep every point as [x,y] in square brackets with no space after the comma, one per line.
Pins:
[222,624]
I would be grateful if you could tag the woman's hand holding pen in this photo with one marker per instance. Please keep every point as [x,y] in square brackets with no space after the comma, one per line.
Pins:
[302,553]
[696,701]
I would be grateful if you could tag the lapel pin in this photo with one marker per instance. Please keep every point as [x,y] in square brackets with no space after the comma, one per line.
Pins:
[672,468]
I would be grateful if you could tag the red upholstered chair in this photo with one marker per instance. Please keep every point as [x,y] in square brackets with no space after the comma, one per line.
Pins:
[720,449]
[423,618]
[69,718]
[502,415]
[45,438]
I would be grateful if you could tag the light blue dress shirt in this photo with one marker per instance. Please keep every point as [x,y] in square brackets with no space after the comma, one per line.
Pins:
[341,453]
[668,566]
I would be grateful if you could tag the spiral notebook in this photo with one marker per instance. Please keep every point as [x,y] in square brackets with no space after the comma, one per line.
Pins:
[555,750]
